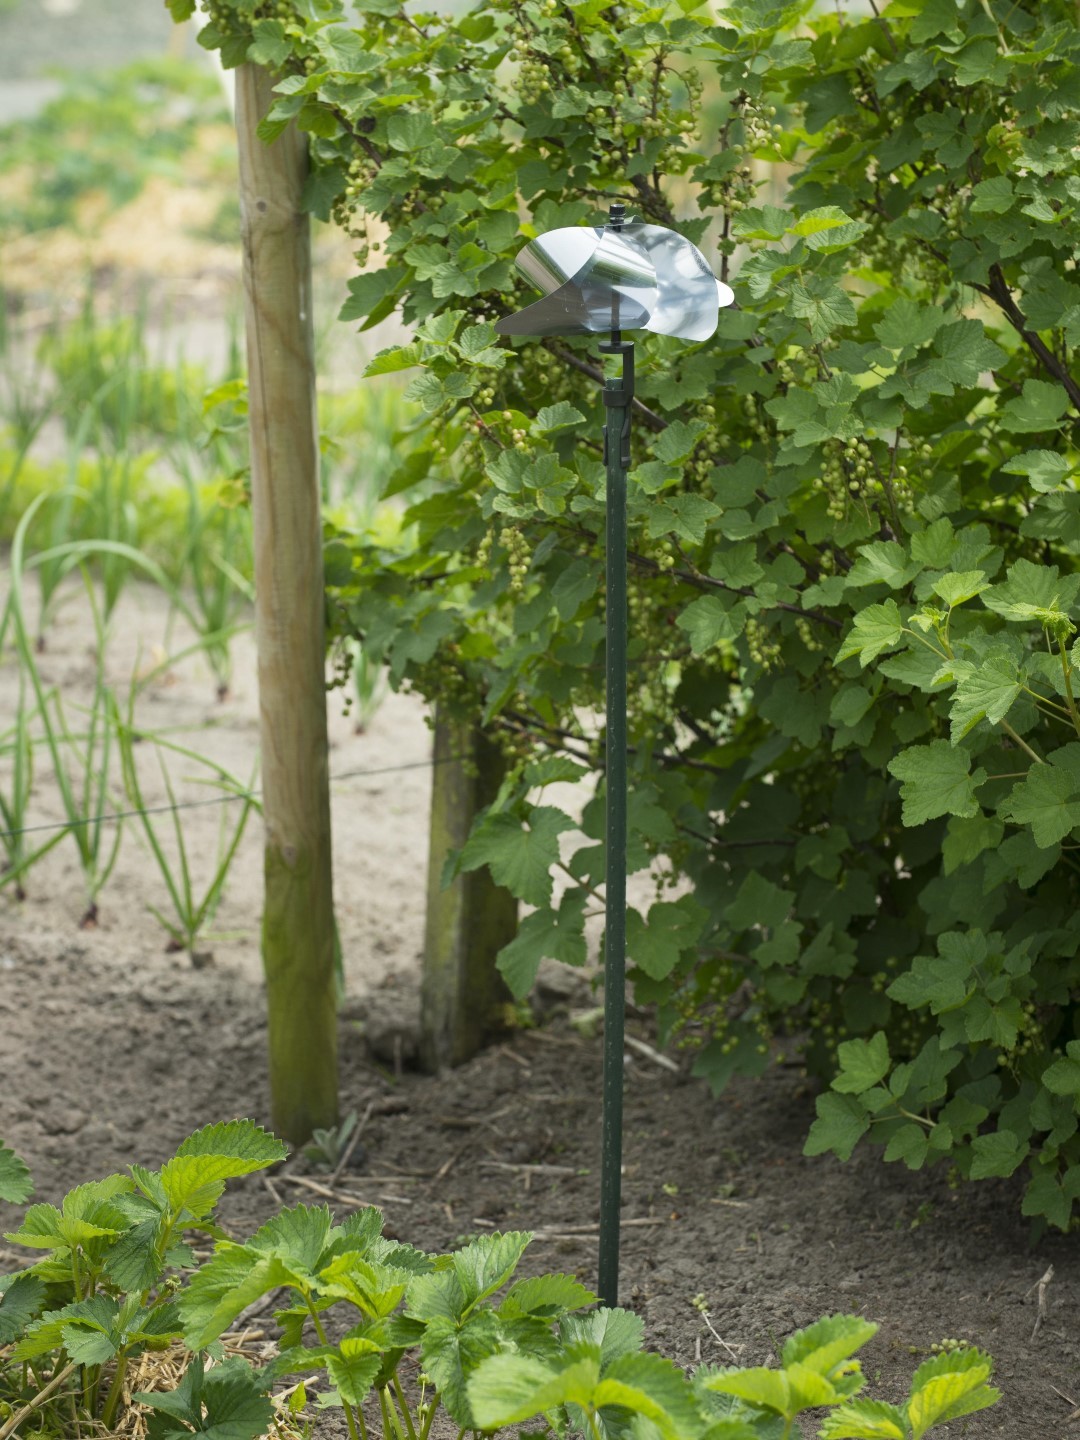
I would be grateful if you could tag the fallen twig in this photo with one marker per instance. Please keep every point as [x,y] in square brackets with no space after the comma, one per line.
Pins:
[532,1169]
[665,1061]
[1041,1286]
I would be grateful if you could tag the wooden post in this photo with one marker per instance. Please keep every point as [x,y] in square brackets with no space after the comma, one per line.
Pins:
[298,921]
[463,997]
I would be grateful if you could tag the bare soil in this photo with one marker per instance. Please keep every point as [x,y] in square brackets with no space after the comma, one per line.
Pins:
[112,1050]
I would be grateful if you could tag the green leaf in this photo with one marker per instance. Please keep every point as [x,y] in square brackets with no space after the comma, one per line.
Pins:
[548,1296]
[613,1330]
[653,1387]
[409,131]
[353,1369]
[828,229]
[1063,1076]
[955,589]
[508,1389]
[709,620]
[986,691]
[865,1419]
[1039,407]
[828,1342]
[554,418]
[520,857]
[936,780]
[673,928]
[999,1153]
[1049,798]
[195,1178]
[1033,593]
[908,1144]
[947,1387]
[487,1262]
[367,292]
[20,1301]
[1046,469]
[877,628]
[765,1388]
[906,322]
[224,1286]
[452,1352]
[545,934]
[16,1186]
[271,46]
[686,516]
[841,1122]
[825,307]
[862,1064]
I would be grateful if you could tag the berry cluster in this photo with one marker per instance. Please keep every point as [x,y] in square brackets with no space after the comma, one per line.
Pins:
[762,650]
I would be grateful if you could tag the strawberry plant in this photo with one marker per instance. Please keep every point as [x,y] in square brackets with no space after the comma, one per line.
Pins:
[104,1290]
[362,1313]
[853,516]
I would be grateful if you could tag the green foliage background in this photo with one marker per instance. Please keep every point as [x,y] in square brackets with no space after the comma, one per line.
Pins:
[854,519]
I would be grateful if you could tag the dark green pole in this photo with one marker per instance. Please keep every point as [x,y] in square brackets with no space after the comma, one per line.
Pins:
[618,396]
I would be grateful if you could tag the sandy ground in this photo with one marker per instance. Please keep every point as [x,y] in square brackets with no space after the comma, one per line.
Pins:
[379,797]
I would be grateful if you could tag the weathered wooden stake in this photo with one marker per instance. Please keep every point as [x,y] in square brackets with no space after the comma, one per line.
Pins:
[298,921]
[463,996]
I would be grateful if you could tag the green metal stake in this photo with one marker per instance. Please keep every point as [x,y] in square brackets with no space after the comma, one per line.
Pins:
[618,397]
[655,280]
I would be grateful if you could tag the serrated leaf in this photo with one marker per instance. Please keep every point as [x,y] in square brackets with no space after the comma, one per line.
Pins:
[949,1386]
[708,620]
[999,1153]
[224,1286]
[613,1330]
[986,691]
[16,1186]
[841,1123]
[195,1177]
[230,1394]
[1039,407]
[864,1420]
[651,1386]
[769,1389]
[906,322]
[1045,469]
[936,780]
[549,1296]
[876,629]
[827,1342]
[508,1389]
[956,588]
[487,1262]
[1049,798]
[353,1368]
[554,418]
[673,927]
[452,1352]
[19,1304]
[1033,593]
[519,856]
[862,1064]
[297,1235]
[1063,1076]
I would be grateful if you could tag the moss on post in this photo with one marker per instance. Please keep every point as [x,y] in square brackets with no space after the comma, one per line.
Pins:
[463,997]
[298,922]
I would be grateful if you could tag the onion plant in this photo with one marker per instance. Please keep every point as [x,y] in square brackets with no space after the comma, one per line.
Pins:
[17,744]
[192,909]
